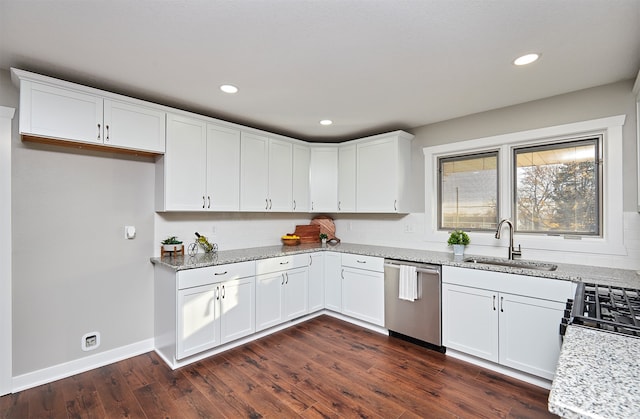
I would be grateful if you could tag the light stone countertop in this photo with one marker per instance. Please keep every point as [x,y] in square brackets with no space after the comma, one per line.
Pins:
[598,376]
[567,272]
[598,373]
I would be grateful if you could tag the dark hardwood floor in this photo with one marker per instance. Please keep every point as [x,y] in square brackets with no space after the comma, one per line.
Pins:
[323,368]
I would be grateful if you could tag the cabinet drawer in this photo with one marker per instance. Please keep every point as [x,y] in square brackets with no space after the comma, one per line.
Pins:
[281,263]
[370,263]
[212,274]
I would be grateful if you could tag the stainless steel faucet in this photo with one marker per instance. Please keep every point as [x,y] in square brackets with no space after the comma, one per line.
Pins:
[512,251]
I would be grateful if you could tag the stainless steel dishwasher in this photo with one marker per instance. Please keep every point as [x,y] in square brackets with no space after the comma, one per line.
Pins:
[418,321]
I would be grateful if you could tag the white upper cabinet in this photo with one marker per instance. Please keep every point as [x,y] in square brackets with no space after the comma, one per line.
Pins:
[383,170]
[63,111]
[323,179]
[301,167]
[223,168]
[266,174]
[201,168]
[347,178]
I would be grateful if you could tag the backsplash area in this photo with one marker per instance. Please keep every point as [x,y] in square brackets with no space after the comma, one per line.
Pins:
[241,230]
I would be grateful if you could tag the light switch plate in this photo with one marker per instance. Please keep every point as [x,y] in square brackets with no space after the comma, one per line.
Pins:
[129,232]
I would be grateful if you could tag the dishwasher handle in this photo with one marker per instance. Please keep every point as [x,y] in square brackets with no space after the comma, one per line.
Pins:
[419,270]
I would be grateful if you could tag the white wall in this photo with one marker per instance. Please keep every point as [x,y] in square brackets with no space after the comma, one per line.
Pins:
[73,270]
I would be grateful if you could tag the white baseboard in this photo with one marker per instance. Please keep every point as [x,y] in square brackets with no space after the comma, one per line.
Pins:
[67,369]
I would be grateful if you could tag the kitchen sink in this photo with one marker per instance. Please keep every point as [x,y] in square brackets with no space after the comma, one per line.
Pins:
[521,264]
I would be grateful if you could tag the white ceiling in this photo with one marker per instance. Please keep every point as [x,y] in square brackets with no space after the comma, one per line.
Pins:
[371,66]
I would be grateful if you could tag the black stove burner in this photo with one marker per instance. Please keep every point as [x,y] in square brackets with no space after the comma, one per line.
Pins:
[609,308]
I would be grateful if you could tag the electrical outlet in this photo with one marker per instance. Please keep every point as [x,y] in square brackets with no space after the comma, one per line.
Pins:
[90,341]
[408,228]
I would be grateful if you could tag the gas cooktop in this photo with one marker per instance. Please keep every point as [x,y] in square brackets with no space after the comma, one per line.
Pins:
[609,308]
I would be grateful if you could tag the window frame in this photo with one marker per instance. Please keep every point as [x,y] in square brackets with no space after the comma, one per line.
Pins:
[466,156]
[558,144]
[610,243]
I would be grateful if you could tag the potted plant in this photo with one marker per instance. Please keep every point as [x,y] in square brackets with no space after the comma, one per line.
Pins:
[458,239]
[323,239]
[171,244]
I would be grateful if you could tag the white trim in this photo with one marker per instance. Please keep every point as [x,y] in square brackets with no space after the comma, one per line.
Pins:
[77,366]
[6,116]
[611,243]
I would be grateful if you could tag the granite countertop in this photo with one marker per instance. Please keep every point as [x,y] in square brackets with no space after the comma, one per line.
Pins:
[567,272]
[598,376]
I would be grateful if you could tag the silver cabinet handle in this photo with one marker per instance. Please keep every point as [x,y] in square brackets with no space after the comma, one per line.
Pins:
[494,303]
[221,273]
[361,261]
[342,274]
[208,202]
[502,304]
[294,204]
[106,137]
[217,293]
[311,205]
[203,201]
[98,132]
[224,292]
[287,275]
[266,204]
[310,260]
[395,205]
[339,205]
[270,205]
[284,263]
[282,283]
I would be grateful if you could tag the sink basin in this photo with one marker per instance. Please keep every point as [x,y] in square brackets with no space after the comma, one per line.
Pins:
[521,264]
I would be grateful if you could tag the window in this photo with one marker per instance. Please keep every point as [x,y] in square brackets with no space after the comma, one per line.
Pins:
[557,188]
[468,192]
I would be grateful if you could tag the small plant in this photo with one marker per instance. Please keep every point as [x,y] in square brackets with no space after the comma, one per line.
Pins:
[171,240]
[323,236]
[458,237]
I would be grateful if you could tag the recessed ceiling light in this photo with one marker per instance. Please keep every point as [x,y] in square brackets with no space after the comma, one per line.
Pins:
[229,88]
[326,122]
[526,59]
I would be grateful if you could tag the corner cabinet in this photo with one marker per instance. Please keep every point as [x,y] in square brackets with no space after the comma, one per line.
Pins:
[347,178]
[383,173]
[301,167]
[515,318]
[323,179]
[65,112]
[200,170]
[199,309]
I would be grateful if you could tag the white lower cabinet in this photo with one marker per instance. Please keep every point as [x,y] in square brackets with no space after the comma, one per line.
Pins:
[509,319]
[333,281]
[363,295]
[316,281]
[281,295]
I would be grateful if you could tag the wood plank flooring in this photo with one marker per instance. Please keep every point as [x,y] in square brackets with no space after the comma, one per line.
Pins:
[323,368]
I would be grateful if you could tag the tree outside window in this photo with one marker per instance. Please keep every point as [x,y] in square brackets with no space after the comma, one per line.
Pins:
[557,188]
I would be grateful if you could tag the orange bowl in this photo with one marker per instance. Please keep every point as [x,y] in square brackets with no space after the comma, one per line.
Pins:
[290,242]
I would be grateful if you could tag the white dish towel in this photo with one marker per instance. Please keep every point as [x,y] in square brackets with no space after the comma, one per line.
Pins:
[408,284]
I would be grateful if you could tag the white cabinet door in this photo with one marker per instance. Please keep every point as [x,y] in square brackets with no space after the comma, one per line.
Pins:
[333,281]
[198,320]
[237,305]
[269,300]
[470,321]
[254,172]
[54,112]
[185,164]
[529,338]
[134,127]
[377,176]
[363,295]
[223,168]
[301,163]
[323,179]
[296,293]
[347,178]
[316,281]
[280,175]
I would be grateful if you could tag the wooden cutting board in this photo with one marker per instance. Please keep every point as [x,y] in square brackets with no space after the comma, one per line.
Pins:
[308,233]
[327,226]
